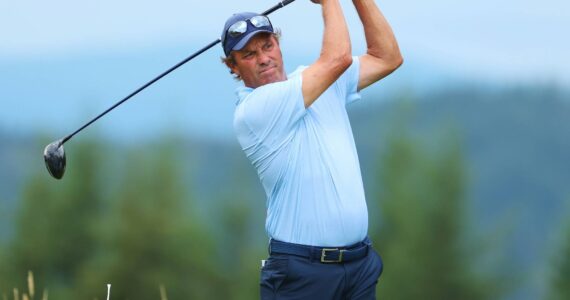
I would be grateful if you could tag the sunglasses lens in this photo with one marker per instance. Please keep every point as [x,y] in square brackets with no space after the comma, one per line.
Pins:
[260,21]
[237,29]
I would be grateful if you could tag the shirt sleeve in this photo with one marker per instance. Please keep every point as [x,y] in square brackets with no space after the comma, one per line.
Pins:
[348,82]
[272,111]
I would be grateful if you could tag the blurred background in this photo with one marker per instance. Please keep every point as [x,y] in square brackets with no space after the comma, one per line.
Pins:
[465,150]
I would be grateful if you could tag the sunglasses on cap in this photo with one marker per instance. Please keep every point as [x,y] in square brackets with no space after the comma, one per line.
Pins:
[240,27]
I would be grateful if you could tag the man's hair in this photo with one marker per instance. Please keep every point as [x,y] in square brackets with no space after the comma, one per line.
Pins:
[231,60]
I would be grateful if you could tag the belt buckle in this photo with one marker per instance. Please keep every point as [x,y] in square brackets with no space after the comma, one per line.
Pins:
[324,254]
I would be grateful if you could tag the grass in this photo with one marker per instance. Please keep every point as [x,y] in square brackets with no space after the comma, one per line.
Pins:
[30,294]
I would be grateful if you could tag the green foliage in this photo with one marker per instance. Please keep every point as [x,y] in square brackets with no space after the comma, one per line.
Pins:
[137,228]
[153,238]
[96,225]
[132,222]
[54,232]
[242,242]
[422,224]
[240,254]
[560,287]
[146,230]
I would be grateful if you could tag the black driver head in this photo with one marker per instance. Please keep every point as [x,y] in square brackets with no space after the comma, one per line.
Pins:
[54,156]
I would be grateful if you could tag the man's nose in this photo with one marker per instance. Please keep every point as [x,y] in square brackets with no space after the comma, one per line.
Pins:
[263,58]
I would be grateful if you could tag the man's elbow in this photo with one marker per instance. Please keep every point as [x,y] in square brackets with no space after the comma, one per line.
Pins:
[345,60]
[340,61]
[386,62]
[396,62]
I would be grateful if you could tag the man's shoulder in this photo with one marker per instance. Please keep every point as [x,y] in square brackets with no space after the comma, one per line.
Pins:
[275,102]
[298,71]
[275,89]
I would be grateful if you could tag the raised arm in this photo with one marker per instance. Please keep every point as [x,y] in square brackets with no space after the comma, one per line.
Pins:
[335,55]
[383,54]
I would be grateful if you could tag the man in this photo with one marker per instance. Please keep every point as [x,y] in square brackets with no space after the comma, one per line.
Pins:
[295,131]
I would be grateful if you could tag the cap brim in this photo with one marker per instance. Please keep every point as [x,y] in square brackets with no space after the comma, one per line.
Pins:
[248,37]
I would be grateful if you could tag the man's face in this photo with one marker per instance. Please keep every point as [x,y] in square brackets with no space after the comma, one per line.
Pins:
[260,62]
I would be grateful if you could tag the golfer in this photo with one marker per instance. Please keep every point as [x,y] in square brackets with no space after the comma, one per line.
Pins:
[295,131]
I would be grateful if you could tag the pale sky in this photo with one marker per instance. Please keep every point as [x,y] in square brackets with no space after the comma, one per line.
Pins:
[509,37]
[76,58]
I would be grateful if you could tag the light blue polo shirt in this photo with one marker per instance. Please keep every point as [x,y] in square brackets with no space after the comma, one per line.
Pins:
[306,160]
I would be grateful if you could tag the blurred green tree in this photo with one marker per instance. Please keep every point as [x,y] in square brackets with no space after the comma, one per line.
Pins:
[422,232]
[153,237]
[560,283]
[54,226]
[243,241]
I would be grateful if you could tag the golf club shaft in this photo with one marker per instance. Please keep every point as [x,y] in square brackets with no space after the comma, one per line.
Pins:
[212,44]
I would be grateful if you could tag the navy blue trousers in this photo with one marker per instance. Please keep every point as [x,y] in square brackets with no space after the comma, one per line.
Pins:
[293,277]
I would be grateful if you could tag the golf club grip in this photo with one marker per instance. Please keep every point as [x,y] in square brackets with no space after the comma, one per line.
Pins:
[277,6]
[212,44]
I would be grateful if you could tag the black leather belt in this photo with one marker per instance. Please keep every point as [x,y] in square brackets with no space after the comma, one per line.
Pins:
[322,254]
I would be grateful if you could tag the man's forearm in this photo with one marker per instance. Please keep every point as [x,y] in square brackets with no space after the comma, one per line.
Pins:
[380,40]
[336,39]
[335,55]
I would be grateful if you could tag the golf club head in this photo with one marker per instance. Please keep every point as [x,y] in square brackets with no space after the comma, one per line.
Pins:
[54,156]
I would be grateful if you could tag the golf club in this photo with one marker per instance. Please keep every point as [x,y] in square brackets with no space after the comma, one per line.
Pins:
[54,154]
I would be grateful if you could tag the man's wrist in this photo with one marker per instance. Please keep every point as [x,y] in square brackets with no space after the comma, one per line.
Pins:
[356,2]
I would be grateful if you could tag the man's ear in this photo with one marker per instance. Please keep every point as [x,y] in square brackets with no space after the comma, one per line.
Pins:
[231,64]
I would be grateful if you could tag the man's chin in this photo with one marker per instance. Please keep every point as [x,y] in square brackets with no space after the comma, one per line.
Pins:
[272,76]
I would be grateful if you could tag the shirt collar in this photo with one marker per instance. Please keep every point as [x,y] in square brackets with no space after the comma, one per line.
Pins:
[242,92]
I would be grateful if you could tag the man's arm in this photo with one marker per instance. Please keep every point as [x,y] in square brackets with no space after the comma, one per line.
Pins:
[383,54]
[335,55]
